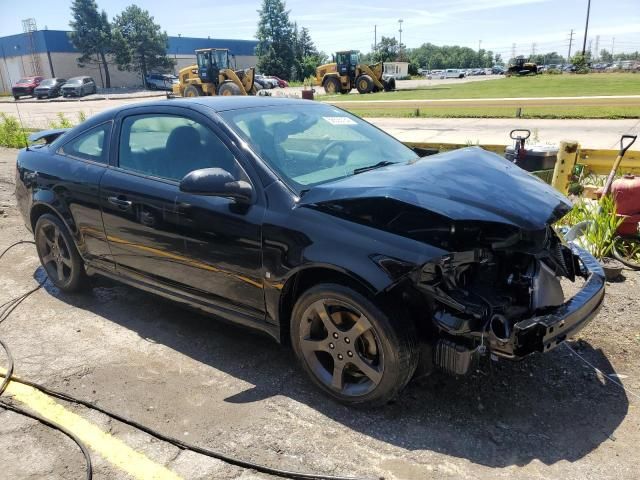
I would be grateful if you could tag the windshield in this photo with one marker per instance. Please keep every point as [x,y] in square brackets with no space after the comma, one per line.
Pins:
[312,144]
[25,80]
[48,82]
[74,81]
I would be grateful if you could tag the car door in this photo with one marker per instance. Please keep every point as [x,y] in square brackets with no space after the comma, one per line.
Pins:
[201,246]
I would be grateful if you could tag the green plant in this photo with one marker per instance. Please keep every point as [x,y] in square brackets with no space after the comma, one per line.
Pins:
[602,223]
[61,122]
[81,116]
[12,135]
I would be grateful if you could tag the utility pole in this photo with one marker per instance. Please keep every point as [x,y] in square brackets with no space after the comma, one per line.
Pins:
[533,49]
[375,38]
[613,44]
[570,43]
[597,51]
[586,28]
[513,51]
[400,30]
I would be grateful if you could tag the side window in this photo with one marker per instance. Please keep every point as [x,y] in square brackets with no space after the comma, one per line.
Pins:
[90,145]
[170,146]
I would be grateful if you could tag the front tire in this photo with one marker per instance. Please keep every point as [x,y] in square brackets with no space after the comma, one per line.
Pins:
[58,254]
[350,348]
[364,84]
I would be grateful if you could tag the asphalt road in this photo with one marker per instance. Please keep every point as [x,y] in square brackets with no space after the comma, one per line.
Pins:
[192,377]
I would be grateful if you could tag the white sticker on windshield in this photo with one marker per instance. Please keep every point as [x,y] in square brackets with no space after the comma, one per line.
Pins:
[340,120]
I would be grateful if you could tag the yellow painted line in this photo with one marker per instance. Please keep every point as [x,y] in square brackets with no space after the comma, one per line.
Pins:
[110,448]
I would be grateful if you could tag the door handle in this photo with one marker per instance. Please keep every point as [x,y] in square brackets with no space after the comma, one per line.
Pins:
[120,202]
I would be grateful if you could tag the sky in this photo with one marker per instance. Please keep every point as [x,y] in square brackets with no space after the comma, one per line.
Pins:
[533,25]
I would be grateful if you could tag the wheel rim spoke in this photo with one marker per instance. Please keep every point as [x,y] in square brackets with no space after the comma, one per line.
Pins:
[66,261]
[372,373]
[337,380]
[361,325]
[48,258]
[320,308]
[311,346]
[60,270]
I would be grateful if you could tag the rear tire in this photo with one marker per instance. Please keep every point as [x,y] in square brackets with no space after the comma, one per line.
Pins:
[191,91]
[332,86]
[16,97]
[364,84]
[229,88]
[58,254]
[350,348]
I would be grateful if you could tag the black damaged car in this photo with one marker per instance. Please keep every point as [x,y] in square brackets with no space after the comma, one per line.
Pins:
[302,221]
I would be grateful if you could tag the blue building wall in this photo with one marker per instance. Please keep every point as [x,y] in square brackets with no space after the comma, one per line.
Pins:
[58,41]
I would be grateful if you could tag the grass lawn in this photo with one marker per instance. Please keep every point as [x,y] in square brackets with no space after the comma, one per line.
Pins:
[559,112]
[534,86]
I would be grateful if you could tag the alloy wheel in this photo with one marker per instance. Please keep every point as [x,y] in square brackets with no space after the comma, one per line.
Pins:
[54,253]
[341,347]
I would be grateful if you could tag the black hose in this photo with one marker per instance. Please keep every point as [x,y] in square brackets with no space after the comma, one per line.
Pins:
[55,426]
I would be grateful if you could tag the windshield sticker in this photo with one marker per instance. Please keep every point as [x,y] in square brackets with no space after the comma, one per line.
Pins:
[339,120]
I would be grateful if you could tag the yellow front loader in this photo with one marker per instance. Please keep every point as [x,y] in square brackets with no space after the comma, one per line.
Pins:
[213,75]
[347,73]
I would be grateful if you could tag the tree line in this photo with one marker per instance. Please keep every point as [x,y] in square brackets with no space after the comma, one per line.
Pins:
[132,39]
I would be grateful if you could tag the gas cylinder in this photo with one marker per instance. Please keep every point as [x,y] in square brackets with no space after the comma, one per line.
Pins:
[626,192]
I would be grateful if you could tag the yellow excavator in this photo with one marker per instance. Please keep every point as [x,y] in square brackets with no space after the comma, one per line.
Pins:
[347,73]
[213,75]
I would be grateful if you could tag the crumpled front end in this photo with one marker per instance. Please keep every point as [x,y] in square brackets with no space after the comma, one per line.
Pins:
[504,297]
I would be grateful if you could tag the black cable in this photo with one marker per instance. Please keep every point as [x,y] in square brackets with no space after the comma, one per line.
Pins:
[85,452]
[21,242]
[13,304]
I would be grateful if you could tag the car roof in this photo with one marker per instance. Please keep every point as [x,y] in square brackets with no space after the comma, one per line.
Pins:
[222,103]
[216,104]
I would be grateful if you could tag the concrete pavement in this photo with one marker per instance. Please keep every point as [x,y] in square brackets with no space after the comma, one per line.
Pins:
[590,133]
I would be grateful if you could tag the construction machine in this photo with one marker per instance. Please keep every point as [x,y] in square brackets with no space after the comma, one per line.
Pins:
[346,73]
[213,75]
[522,67]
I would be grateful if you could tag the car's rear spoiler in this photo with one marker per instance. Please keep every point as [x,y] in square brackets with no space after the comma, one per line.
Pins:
[47,135]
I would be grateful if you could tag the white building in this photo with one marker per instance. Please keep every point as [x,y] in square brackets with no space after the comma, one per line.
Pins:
[396,69]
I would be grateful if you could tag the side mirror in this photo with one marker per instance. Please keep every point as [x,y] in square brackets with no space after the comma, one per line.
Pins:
[216,182]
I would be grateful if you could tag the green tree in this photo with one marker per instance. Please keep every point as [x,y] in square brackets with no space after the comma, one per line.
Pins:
[387,50]
[307,57]
[276,40]
[139,44]
[91,35]
[498,60]
[580,62]
[605,56]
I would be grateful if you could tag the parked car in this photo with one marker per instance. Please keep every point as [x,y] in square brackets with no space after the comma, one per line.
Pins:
[49,88]
[281,83]
[453,73]
[25,86]
[160,81]
[497,70]
[266,82]
[366,258]
[79,87]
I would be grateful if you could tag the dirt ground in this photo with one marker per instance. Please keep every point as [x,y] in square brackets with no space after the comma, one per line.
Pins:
[221,387]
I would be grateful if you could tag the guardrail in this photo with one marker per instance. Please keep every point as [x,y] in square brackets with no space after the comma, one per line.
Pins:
[570,154]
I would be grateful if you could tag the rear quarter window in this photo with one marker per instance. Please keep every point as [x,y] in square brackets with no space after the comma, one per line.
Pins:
[90,145]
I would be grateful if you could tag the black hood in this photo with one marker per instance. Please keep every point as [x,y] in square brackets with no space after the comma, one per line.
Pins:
[465,184]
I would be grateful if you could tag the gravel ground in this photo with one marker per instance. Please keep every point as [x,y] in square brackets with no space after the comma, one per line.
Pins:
[222,387]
